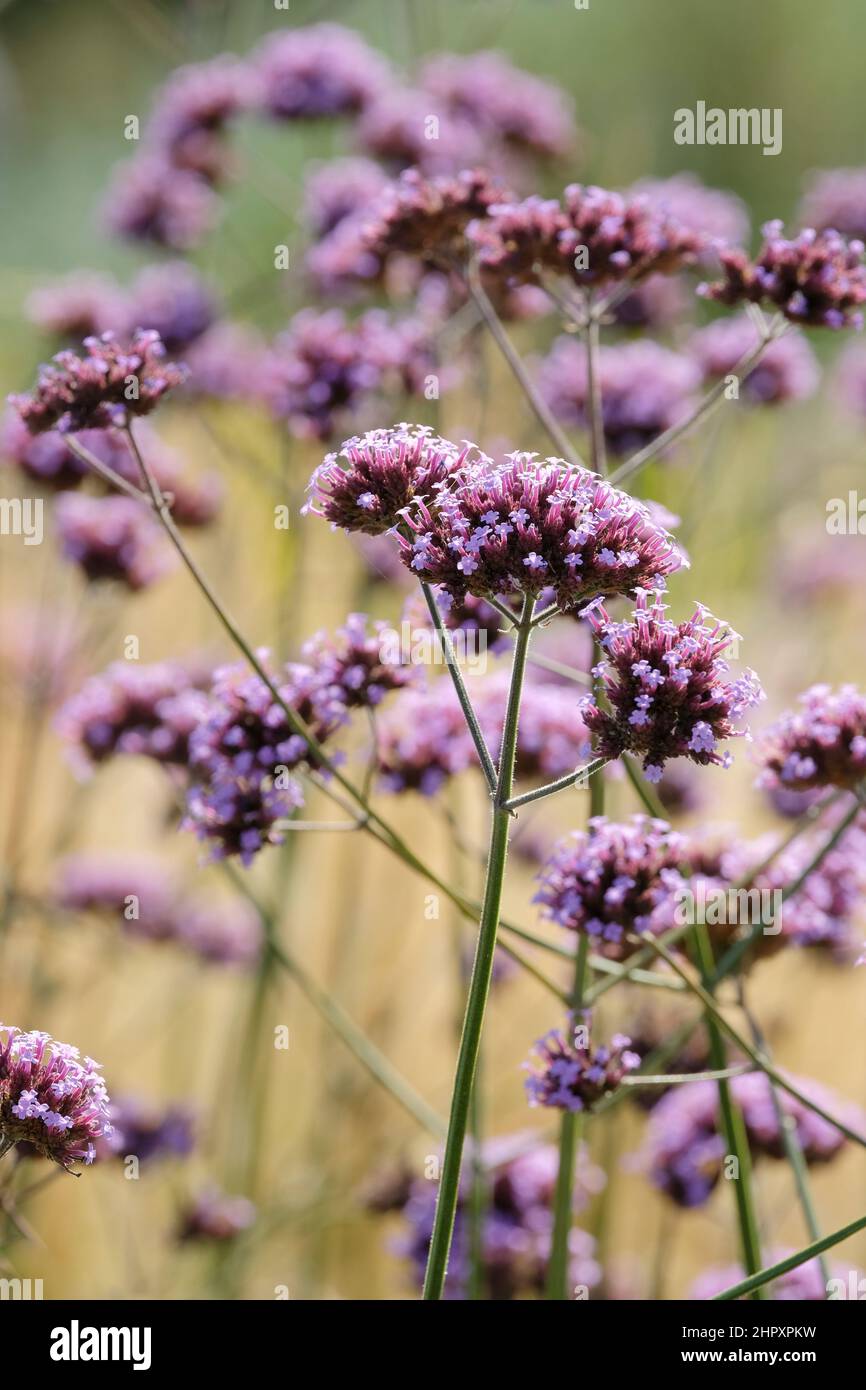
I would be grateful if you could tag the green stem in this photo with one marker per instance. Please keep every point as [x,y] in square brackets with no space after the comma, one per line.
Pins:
[470,1041]
[460,687]
[764,1276]
[570,1134]
[581,774]
[598,453]
[736,1139]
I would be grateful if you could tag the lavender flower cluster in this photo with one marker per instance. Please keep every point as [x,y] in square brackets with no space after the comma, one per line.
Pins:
[50,1098]
[822,744]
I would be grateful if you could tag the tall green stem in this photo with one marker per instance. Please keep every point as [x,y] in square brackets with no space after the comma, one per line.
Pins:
[470,1040]
[734,1128]
[570,1134]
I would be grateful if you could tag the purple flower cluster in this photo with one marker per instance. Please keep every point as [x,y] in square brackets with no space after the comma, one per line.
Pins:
[324,368]
[50,1098]
[422,740]
[400,129]
[146,711]
[519,1178]
[150,200]
[428,217]
[709,212]
[552,738]
[340,189]
[502,102]
[823,913]
[146,1132]
[353,667]
[568,1073]
[816,278]
[787,370]
[836,199]
[594,236]
[321,70]
[666,692]
[171,299]
[105,387]
[527,525]
[613,881]
[112,538]
[372,480]
[78,306]
[684,1149]
[822,744]
[644,388]
[138,892]
[188,121]
[212,1215]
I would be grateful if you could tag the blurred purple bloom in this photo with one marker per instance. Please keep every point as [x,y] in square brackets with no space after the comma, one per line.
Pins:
[320,70]
[787,371]
[149,711]
[112,538]
[822,744]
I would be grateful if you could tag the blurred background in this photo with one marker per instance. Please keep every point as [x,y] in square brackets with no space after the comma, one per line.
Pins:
[303,1132]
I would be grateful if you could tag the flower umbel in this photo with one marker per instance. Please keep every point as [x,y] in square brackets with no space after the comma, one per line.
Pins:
[50,1098]
[570,1074]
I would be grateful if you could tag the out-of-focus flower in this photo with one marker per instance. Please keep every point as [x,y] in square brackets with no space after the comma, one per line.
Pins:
[503,101]
[595,237]
[644,388]
[428,217]
[212,1215]
[336,190]
[78,306]
[849,378]
[822,744]
[684,1149]
[105,387]
[144,1131]
[320,70]
[519,1177]
[39,654]
[422,740]
[656,303]
[835,199]
[192,108]
[354,666]
[44,458]
[610,880]
[400,128]
[568,1073]
[221,932]
[815,278]
[787,371]
[526,525]
[112,538]
[369,483]
[803,1284]
[552,738]
[148,711]
[174,301]
[824,910]
[652,1026]
[228,362]
[710,212]
[50,1098]
[665,685]
[150,200]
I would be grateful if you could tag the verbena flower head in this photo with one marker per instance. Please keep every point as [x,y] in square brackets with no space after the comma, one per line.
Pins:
[45,459]
[568,1073]
[684,1148]
[822,744]
[787,371]
[354,666]
[78,306]
[595,237]
[112,538]
[336,190]
[374,477]
[423,740]
[146,1131]
[213,1215]
[611,881]
[396,128]
[528,525]
[148,711]
[50,1098]
[173,301]
[709,212]
[193,108]
[667,688]
[645,389]
[320,70]
[428,217]
[106,386]
[520,1178]
[151,200]
[815,278]
[836,198]
[502,101]
[134,890]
